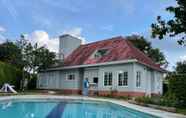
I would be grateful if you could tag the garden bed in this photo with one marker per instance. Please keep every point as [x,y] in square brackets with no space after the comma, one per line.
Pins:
[169,109]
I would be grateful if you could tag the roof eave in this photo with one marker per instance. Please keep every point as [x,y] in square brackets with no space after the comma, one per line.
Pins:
[92,65]
[158,69]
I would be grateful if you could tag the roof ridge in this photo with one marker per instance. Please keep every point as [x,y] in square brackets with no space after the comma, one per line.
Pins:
[113,38]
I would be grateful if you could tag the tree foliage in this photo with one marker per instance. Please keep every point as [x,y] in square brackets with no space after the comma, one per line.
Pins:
[177,87]
[25,56]
[181,67]
[10,53]
[10,74]
[173,27]
[35,57]
[154,53]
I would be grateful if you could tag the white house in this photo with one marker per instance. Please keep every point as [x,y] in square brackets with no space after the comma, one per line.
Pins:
[112,66]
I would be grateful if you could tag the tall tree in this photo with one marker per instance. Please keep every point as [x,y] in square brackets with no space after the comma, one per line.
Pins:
[145,46]
[10,53]
[173,27]
[35,58]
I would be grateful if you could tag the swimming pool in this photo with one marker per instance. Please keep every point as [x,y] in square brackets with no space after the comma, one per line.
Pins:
[66,109]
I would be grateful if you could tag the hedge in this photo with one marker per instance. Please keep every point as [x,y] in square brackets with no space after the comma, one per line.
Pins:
[10,74]
[177,87]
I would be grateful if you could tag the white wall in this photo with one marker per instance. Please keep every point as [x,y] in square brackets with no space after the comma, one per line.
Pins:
[151,81]
[144,82]
[115,70]
[90,73]
[67,44]
[58,80]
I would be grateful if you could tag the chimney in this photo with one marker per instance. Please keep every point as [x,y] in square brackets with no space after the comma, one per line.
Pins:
[67,44]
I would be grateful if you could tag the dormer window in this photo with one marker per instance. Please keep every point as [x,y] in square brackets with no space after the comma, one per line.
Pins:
[100,53]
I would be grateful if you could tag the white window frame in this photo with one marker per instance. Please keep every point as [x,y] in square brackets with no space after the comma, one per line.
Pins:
[107,85]
[68,74]
[138,79]
[123,72]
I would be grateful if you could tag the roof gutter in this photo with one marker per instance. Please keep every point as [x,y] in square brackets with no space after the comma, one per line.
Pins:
[103,64]
[160,70]
[93,65]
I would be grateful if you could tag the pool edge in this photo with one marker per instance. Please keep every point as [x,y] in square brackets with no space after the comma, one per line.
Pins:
[151,111]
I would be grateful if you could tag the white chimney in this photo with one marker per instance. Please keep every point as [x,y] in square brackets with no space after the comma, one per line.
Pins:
[67,44]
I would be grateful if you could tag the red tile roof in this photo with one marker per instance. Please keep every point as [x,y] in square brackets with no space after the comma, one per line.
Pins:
[118,49]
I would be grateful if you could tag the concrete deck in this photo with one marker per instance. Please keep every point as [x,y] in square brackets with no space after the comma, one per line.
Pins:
[155,112]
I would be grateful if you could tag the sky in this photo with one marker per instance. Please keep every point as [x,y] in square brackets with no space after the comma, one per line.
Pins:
[44,21]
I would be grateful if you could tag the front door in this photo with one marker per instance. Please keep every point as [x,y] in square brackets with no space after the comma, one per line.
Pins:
[92,76]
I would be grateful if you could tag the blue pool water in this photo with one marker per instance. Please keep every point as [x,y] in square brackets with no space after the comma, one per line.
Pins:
[66,109]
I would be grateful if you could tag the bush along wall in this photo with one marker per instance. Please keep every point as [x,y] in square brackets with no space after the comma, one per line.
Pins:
[177,87]
[10,74]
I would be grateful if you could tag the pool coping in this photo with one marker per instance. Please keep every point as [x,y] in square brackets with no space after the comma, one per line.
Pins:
[151,111]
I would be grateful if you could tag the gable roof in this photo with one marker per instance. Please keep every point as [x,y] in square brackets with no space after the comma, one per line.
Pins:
[118,49]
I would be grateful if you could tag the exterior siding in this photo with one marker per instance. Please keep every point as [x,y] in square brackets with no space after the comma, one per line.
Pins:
[115,70]
[67,44]
[158,83]
[151,80]
[90,73]
[58,80]
[142,69]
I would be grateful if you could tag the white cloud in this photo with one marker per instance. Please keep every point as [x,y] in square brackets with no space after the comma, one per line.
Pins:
[43,39]
[183,58]
[2,29]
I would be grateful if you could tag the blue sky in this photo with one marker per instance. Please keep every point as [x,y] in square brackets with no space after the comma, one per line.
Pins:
[44,20]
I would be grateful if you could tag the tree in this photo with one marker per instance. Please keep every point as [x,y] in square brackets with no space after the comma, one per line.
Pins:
[10,53]
[181,67]
[173,27]
[34,57]
[154,53]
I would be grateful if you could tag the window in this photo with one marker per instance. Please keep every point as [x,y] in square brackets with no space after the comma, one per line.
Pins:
[123,79]
[100,53]
[138,79]
[95,80]
[70,76]
[108,79]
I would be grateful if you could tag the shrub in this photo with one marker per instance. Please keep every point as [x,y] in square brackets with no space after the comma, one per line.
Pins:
[177,87]
[10,74]
[144,99]
[169,100]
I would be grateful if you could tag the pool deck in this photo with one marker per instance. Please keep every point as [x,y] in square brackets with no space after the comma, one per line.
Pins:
[155,112]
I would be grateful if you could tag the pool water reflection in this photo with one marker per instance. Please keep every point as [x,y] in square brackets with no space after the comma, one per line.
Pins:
[67,109]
